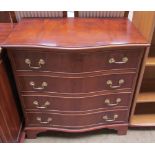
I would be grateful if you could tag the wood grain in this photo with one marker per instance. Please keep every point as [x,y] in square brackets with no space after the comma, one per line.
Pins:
[5,29]
[76,121]
[75,61]
[10,122]
[76,85]
[143,120]
[75,67]
[59,33]
[150,62]
[145,21]
[78,104]
[5,17]
[146,97]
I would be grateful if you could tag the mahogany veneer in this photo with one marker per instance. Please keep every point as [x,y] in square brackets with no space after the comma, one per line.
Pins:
[75,33]
[76,121]
[78,62]
[75,84]
[10,122]
[87,103]
[76,75]
[5,29]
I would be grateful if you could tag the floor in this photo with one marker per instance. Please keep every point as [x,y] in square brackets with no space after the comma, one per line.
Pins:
[101,136]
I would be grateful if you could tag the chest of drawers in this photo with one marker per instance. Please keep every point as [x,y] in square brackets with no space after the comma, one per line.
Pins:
[76,77]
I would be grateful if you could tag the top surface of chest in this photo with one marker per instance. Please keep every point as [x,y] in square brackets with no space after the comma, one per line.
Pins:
[5,29]
[75,33]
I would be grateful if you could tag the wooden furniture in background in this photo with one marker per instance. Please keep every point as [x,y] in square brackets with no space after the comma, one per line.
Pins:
[101,14]
[143,109]
[10,122]
[80,83]
[16,16]
[39,14]
[7,17]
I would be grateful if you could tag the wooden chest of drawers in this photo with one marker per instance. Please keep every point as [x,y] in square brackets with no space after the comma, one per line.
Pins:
[66,85]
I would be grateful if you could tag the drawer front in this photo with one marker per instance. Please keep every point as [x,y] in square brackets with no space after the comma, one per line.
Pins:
[76,104]
[76,85]
[76,62]
[76,121]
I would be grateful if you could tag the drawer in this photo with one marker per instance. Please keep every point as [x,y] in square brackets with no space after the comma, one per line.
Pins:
[76,104]
[75,62]
[74,121]
[76,84]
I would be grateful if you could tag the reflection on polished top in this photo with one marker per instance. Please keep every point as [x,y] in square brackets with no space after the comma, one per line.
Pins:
[75,33]
[5,29]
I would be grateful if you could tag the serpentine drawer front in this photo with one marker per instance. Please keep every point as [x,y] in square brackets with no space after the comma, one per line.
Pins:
[76,84]
[73,121]
[76,75]
[51,61]
[76,104]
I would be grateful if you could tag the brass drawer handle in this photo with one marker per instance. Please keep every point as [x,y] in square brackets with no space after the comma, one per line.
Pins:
[49,119]
[124,60]
[40,62]
[46,104]
[107,101]
[110,120]
[109,82]
[43,85]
